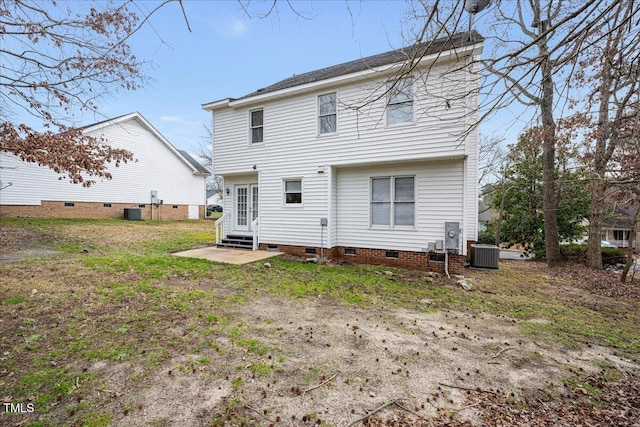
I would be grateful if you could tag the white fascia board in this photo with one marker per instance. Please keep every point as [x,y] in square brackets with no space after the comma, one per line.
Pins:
[452,54]
[210,106]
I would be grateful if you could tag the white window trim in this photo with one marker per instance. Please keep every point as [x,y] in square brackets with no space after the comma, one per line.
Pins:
[324,135]
[250,127]
[413,106]
[392,225]
[284,194]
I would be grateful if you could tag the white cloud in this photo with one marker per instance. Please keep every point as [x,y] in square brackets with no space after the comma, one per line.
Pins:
[180,120]
[233,28]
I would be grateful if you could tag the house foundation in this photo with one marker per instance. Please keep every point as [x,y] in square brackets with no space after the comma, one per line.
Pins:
[74,209]
[393,258]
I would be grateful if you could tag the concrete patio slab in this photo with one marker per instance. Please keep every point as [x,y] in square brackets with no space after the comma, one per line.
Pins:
[227,256]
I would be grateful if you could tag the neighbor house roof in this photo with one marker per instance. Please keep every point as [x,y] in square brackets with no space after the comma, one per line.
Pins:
[196,167]
[622,219]
[415,52]
[194,162]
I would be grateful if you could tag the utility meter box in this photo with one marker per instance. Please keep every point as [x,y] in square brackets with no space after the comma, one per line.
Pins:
[451,235]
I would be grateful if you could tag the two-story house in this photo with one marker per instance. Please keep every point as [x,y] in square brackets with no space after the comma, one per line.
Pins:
[366,160]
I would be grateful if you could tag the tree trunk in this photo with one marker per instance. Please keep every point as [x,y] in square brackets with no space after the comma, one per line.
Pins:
[632,235]
[549,202]
[602,154]
[499,225]
[594,249]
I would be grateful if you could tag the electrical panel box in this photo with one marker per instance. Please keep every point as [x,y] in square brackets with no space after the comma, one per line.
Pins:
[323,222]
[451,235]
[439,245]
[154,197]
[431,246]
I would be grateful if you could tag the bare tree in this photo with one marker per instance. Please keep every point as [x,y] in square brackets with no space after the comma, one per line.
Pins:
[55,62]
[532,47]
[608,80]
[492,157]
[626,171]
[205,152]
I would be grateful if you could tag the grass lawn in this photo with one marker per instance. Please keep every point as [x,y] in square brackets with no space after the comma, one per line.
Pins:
[101,326]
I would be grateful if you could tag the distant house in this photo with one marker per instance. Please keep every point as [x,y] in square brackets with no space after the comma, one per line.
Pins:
[213,197]
[367,160]
[618,228]
[162,182]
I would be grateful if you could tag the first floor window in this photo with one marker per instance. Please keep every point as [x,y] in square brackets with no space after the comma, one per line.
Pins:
[293,192]
[393,201]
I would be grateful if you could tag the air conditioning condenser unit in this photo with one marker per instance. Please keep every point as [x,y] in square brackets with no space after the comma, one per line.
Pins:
[484,256]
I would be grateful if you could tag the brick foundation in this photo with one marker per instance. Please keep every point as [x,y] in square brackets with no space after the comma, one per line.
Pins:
[390,257]
[71,209]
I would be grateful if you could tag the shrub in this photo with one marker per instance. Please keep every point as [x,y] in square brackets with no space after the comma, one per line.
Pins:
[612,256]
[487,236]
[578,254]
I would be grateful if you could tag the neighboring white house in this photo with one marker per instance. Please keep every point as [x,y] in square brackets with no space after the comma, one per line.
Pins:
[162,182]
[364,161]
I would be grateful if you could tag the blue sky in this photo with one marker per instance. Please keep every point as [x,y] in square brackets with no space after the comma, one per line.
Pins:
[230,54]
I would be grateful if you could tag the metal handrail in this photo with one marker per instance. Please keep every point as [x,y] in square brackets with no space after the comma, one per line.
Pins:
[219,226]
[255,227]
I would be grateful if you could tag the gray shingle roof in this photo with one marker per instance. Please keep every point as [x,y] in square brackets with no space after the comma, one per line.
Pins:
[362,64]
[196,164]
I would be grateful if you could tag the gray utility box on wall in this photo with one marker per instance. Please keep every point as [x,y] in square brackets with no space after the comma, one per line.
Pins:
[451,235]
[133,214]
[485,256]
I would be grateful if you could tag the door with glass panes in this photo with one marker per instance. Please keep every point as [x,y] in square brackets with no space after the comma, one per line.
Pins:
[246,206]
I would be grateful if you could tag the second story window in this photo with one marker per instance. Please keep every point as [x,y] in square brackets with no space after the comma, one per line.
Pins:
[400,102]
[327,117]
[257,126]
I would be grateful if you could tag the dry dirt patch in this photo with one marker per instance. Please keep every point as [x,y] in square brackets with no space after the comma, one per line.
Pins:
[334,364]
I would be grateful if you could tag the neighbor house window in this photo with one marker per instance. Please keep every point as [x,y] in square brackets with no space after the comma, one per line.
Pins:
[393,201]
[293,191]
[621,234]
[257,126]
[327,117]
[400,102]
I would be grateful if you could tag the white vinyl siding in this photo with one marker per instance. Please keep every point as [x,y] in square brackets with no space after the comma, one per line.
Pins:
[293,131]
[155,168]
[327,113]
[438,198]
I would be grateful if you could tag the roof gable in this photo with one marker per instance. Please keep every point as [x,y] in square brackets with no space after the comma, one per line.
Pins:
[196,167]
